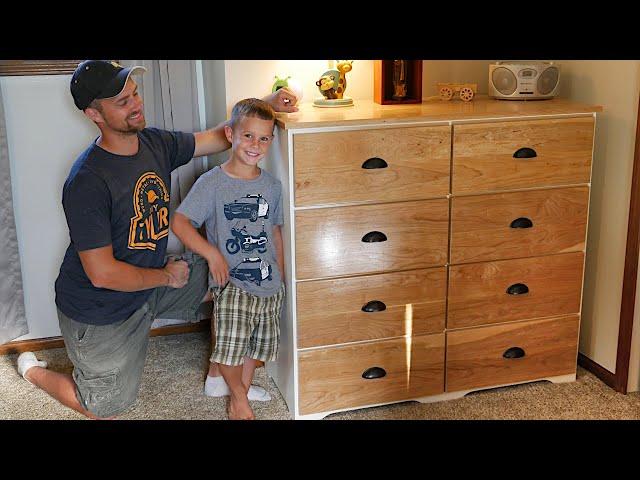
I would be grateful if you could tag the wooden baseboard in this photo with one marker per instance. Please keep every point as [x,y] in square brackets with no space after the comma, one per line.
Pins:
[200,326]
[58,342]
[599,371]
[31,345]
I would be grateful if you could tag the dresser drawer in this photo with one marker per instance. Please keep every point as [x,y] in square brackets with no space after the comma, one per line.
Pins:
[332,378]
[518,224]
[371,238]
[484,154]
[539,349]
[503,291]
[329,168]
[371,307]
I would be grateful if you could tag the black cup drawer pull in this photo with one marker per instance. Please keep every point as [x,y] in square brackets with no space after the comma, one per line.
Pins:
[374,237]
[525,152]
[374,162]
[374,372]
[513,352]
[374,306]
[518,289]
[522,222]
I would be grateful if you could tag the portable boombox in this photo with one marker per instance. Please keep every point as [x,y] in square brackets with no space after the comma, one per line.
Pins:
[523,80]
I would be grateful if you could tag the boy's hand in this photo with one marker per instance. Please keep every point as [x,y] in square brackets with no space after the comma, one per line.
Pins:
[218,267]
[178,271]
[282,100]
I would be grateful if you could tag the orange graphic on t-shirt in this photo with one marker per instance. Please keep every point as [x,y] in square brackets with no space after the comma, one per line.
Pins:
[151,205]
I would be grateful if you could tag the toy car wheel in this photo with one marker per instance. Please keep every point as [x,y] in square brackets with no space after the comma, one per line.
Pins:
[446,93]
[466,94]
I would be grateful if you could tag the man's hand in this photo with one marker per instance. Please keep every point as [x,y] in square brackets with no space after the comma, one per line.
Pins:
[178,272]
[218,267]
[282,100]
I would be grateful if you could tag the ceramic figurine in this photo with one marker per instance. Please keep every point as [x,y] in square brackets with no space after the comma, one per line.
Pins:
[326,84]
[290,83]
[279,83]
[332,85]
[343,67]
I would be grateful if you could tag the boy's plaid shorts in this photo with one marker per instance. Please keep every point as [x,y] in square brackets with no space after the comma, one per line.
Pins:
[246,325]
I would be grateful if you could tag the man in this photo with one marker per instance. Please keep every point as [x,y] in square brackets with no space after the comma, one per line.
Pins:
[114,279]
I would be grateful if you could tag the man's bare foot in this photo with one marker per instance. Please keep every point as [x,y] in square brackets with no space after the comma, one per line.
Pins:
[239,409]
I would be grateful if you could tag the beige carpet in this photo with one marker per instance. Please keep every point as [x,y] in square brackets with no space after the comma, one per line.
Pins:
[175,368]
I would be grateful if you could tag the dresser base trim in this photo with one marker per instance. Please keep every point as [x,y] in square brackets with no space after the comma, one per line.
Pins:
[571,377]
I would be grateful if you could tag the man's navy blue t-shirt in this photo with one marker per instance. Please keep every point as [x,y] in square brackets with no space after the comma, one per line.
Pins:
[122,200]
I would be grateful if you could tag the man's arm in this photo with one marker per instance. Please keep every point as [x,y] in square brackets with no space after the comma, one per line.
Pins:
[211,141]
[214,140]
[277,242]
[192,240]
[104,271]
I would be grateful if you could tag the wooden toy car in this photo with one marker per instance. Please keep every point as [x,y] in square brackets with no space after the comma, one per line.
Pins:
[466,91]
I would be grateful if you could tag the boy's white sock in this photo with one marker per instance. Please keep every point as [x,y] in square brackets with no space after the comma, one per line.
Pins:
[217,387]
[26,360]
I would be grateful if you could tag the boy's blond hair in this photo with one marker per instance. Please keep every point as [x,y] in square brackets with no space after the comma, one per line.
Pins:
[252,107]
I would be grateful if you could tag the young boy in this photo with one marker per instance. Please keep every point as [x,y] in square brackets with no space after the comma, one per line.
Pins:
[241,205]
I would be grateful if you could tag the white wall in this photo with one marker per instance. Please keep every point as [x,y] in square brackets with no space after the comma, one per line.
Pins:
[454,71]
[614,85]
[45,133]
[254,78]
[245,78]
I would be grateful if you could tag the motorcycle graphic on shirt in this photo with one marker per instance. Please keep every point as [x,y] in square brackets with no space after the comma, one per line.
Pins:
[243,240]
[252,269]
[252,206]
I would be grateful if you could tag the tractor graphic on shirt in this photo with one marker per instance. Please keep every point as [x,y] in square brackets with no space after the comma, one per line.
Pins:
[252,206]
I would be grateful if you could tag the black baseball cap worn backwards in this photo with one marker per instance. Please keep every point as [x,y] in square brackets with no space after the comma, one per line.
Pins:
[99,79]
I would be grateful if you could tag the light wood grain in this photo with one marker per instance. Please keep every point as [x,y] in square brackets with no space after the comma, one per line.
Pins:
[328,166]
[475,356]
[478,292]
[330,311]
[335,273]
[329,240]
[331,378]
[480,225]
[366,112]
[483,154]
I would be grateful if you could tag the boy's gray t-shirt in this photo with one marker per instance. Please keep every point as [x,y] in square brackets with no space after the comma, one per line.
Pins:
[239,216]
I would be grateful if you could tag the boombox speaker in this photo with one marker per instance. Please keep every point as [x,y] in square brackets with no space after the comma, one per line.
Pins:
[523,81]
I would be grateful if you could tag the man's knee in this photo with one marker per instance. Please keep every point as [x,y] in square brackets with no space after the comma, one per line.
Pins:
[107,395]
[107,405]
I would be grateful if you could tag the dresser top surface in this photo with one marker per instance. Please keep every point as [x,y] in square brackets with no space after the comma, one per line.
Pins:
[431,109]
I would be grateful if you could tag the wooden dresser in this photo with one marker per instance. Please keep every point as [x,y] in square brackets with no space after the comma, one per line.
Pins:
[431,250]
